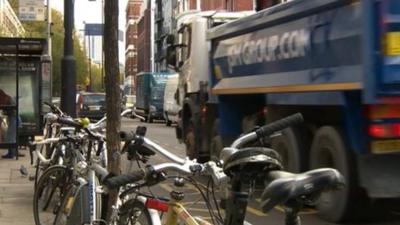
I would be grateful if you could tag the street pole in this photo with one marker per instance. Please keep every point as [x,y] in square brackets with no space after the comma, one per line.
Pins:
[102,46]
[47,94]
[90,64]
[49,28]
[152,8]
[68,72]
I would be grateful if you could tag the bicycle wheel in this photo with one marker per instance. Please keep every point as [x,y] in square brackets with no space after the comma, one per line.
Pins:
[48,193]
[134,212]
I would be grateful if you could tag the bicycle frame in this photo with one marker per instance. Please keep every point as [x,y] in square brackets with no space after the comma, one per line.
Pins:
[177,211]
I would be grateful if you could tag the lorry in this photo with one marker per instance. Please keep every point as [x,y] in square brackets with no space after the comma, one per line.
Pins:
[335,61]
[150,95]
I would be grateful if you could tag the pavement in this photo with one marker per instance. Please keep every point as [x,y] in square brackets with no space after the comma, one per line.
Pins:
[16,191]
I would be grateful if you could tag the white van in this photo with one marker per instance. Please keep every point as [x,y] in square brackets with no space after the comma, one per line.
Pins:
[171,106]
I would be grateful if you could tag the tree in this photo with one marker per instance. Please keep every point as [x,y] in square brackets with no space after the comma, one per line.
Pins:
[37,29]
[113,100]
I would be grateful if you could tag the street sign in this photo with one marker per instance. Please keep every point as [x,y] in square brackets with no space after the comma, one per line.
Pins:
[94,29]
[31,10]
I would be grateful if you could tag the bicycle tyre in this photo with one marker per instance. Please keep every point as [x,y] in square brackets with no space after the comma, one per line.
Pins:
[48,193]
[134,212]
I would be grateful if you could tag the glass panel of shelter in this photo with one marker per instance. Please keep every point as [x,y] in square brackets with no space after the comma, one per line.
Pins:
[8,100]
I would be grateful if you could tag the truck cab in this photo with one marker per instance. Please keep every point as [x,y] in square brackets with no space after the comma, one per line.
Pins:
[188,54]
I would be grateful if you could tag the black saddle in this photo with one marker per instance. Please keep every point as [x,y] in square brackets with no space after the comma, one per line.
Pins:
[286,187]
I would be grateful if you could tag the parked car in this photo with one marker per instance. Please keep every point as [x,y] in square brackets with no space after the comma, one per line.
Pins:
[91,105]
[171,106]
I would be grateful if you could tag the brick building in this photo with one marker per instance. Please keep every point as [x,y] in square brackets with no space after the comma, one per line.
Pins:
[133,13]
[144,41]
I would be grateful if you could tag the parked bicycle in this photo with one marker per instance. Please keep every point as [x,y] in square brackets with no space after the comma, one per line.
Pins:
[238,170]
[67,163]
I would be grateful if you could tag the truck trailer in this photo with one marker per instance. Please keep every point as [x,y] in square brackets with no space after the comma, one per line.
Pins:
[335,61]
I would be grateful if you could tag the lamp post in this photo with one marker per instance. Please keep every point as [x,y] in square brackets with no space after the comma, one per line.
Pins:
[68,71]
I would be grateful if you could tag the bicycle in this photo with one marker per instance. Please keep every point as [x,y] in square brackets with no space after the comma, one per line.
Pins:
[56,179]
[86,180]
[51,130]
[239,169]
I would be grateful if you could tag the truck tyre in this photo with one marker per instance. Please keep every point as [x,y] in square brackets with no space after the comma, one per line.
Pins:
[292,145]
[329,150]
[190,141]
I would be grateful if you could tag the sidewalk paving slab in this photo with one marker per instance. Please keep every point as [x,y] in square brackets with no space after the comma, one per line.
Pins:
[16,191]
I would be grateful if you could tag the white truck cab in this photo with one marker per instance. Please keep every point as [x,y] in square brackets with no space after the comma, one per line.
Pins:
[188,53]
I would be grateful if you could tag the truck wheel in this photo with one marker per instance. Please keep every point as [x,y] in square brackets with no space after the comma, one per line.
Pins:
[190,141]
[292,146]
[329,150]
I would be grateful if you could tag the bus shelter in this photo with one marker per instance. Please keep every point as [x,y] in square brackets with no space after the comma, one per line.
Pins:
[24,83]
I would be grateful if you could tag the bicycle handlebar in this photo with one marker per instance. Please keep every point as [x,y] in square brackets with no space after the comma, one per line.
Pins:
[268,129]
[185,165]
[123,179]
[127,136]
[69,122]
[188,168]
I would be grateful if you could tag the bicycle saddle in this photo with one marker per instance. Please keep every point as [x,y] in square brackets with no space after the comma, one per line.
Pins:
[250,159]
[287,186]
